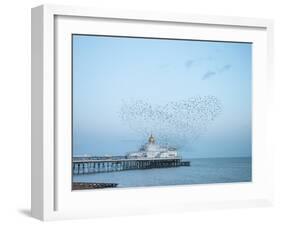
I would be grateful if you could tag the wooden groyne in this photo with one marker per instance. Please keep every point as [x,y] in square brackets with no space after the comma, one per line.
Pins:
[88,165]
[86,185]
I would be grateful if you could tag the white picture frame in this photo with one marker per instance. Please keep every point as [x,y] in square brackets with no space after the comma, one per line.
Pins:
[52,197]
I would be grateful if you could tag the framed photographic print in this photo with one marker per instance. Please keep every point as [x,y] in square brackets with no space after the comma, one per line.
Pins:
[141,112]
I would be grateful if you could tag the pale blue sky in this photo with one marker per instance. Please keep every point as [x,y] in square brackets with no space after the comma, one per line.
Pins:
[109,70]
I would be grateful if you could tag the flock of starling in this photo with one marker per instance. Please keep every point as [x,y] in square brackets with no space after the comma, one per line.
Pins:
[176,123]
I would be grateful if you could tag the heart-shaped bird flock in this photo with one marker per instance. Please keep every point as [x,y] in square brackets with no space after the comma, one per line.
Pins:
[177,123]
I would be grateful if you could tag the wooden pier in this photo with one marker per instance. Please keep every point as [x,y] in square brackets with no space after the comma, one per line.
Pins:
[86,185]
[90,165]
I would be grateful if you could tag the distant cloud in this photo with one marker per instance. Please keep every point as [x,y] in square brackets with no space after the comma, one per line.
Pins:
[224,68]
[189,63]
[221,70]
[208,75]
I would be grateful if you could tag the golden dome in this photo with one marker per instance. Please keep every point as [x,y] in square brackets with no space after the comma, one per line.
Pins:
[151,139]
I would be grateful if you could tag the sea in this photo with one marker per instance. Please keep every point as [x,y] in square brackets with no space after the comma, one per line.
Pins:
[201,171]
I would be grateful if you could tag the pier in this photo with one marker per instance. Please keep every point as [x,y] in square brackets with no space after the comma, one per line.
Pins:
[90,165]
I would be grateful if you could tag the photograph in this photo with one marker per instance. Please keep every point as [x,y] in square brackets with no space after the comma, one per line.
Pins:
[150,111]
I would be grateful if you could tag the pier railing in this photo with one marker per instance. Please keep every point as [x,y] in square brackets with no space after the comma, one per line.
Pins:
[87,165]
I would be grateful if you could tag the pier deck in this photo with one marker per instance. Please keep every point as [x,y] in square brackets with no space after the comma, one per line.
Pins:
[89,165]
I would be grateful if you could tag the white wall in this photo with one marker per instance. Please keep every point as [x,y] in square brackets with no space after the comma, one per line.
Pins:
[15,111]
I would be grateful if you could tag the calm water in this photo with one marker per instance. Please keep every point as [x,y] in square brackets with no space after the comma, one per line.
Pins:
[201,171]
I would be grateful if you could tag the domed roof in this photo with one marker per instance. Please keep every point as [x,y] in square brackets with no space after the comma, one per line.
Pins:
[151,139]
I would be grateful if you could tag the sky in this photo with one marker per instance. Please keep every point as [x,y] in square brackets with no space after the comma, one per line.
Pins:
[108,71]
